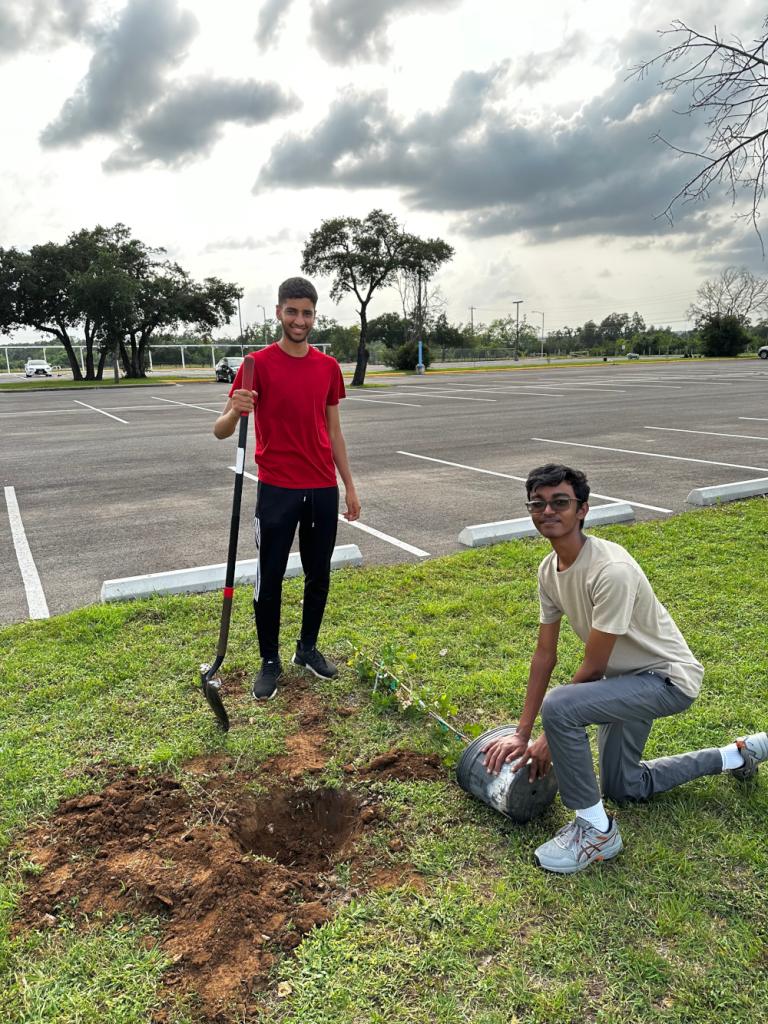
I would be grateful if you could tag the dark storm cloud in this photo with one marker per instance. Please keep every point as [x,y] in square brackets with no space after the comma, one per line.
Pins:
[271,14]
[188,122]
[594,172]
[127,71]
[350,30]
[41,23]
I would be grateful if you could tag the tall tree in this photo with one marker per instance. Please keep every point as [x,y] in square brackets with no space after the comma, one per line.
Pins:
[421,300]
[361,255]
[114,289]
[735,293]
[726,81]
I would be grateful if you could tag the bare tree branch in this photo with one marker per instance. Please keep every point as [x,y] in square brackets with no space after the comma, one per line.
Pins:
[728,82]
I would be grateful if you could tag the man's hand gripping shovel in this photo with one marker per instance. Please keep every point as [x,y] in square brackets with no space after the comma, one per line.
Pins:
[211,684]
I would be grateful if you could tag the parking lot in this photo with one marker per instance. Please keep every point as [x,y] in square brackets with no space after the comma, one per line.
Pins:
[104,484]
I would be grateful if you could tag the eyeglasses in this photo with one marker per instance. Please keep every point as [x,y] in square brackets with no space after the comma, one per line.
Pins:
[559,504]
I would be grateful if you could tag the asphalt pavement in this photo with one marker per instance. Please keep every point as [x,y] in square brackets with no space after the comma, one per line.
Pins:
[101,484]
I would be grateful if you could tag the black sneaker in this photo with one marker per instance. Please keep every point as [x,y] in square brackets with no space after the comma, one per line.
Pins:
[311,658]
[265,683]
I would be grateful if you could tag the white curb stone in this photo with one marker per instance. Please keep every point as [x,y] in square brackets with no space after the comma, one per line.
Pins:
[483,534]
[210,577]
[728,492]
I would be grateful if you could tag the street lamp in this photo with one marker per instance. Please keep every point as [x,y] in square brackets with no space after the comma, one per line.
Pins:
[264,314]
[516,303]
[542,329]
[240,319]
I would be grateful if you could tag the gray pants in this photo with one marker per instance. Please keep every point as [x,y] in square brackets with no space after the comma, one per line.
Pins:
[624,707]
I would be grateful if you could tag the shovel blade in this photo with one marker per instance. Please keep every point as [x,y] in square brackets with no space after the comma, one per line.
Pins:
[211,688]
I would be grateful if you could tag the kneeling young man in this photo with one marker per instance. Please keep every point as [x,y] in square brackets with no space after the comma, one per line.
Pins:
[636,667]
[299,448]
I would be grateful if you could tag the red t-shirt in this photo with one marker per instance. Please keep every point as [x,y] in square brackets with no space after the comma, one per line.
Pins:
[292,444]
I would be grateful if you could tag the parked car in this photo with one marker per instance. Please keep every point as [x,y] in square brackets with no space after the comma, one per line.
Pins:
[633,355]
[227,367]
[37,368]
[763,352]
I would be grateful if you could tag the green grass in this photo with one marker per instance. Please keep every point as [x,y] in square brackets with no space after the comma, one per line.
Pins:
[55,384]
[673,932]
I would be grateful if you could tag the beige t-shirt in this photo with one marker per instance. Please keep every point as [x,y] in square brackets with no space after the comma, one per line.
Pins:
[606,589]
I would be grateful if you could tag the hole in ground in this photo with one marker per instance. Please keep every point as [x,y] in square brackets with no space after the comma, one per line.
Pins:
[306,828]
[147,844]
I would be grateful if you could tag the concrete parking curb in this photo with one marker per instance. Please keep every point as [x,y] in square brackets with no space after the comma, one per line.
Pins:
[483,534]
[204,578]
[728,492]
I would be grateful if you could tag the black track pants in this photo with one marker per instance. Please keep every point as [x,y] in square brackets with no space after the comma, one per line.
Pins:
[279,510]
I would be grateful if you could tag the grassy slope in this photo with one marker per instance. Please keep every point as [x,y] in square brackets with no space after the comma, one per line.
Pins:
[674,931]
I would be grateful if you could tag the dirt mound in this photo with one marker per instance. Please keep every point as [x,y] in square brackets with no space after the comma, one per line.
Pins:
[404,766]
[237,879]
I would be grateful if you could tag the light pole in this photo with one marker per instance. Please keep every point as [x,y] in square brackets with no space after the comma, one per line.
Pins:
[516,303]
[542,329]
[264,314]
[240,319]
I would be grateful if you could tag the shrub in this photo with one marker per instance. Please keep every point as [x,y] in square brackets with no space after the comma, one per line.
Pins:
[406,356]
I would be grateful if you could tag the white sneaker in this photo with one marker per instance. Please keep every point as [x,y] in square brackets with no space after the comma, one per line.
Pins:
[577,845]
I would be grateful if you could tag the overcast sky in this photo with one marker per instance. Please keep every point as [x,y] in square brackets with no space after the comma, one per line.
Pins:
[226,131]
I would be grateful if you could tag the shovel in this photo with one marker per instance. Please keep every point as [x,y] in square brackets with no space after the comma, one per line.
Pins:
[210,682]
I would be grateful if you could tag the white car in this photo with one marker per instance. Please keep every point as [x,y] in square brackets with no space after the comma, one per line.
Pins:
[37,368]
[763,352]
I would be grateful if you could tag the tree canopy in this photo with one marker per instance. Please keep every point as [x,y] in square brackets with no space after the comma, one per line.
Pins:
[363,255]
[114,289]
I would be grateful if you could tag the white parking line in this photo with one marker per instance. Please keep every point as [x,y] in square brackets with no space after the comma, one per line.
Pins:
[40,412]
[186,405]
[511,390]
[411,405]
[447,394]
[93,407]
[38,607]
[510,476]
[577,386]
[385,536]
[762,419]
[361,526]
[710,433]
[651,455]
[632,384]
[251,476]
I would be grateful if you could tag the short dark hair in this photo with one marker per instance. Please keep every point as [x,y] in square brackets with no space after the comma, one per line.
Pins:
[555,473]
[296,288]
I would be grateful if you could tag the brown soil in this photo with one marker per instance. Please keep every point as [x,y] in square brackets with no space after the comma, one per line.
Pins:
[404,765]
[306,748]
[237,879]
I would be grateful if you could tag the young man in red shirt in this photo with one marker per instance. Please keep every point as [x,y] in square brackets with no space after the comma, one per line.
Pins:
[299,448]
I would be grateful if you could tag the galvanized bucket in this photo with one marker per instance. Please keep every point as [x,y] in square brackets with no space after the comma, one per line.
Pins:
[508,792]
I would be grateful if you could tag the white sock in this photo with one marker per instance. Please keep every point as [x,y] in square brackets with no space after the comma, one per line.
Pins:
[731,756]
[596,816]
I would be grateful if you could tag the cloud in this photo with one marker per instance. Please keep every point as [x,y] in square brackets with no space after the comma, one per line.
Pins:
[271,14]
[355,30]
[127,71]
[42,23]
[187,123]
[251,242]
[590,173]
[535,68]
